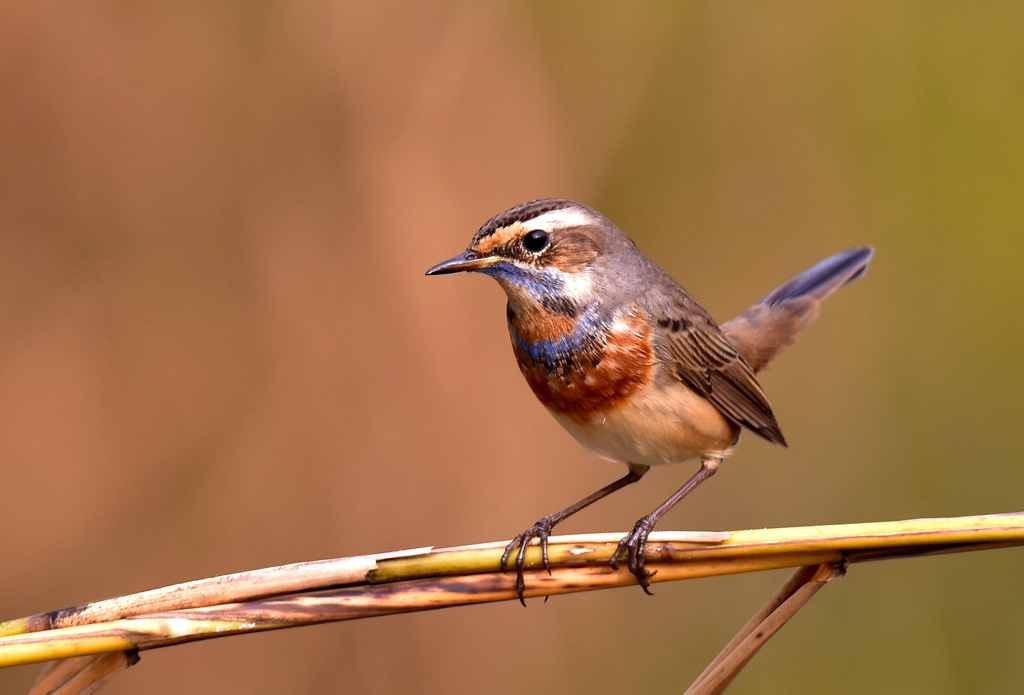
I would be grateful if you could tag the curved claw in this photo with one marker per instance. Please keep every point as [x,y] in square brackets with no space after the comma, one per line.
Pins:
[633,544]
[541,530]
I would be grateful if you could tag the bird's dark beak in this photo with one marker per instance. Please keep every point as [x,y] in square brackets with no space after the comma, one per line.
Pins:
[466,260]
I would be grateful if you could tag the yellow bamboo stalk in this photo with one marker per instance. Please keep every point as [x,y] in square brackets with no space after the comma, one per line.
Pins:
[425,579]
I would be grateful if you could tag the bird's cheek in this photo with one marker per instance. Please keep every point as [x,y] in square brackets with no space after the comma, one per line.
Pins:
[578,286]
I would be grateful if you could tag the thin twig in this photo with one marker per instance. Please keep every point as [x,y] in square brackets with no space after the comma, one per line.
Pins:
[801,586]
[82,675]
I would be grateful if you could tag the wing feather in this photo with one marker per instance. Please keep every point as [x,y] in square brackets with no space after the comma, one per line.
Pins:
[701,357]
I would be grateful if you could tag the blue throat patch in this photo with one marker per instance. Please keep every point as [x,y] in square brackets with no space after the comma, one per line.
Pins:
[546,287]
[541,283]
[588,328]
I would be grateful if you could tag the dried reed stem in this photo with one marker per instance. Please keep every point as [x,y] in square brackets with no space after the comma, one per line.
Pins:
[426,579]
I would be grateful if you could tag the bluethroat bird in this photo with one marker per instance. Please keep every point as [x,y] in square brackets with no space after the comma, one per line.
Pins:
[625,359]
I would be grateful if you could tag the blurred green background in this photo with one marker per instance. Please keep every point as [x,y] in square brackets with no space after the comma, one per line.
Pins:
[218,350]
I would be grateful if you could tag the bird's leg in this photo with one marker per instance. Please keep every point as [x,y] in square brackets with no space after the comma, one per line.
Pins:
[636,540]
[542,529]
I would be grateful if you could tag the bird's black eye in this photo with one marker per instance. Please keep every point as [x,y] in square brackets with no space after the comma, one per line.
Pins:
[536,241]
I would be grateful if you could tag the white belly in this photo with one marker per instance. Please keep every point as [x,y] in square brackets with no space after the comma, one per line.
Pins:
[656,426]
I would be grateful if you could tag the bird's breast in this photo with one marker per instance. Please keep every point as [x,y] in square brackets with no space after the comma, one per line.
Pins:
[583,366]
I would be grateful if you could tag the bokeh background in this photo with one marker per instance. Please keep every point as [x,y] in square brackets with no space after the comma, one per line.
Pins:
[218,350]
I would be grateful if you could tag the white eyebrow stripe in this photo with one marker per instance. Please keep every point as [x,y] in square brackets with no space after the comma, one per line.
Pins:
[557,219]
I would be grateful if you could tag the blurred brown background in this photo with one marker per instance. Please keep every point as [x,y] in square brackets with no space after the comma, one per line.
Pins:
[218,350]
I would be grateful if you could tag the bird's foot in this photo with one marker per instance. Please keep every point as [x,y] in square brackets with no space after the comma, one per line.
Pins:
[633,544]
[541,530]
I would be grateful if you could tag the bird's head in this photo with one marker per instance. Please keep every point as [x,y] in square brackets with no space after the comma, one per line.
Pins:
[548,252]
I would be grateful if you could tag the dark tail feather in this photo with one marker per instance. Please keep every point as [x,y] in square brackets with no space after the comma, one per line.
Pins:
[825,278]
[773,323]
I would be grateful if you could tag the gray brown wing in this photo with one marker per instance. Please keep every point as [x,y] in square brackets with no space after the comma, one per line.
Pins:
[702,358]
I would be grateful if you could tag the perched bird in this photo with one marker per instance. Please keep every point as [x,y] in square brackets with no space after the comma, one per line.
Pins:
[625,359]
